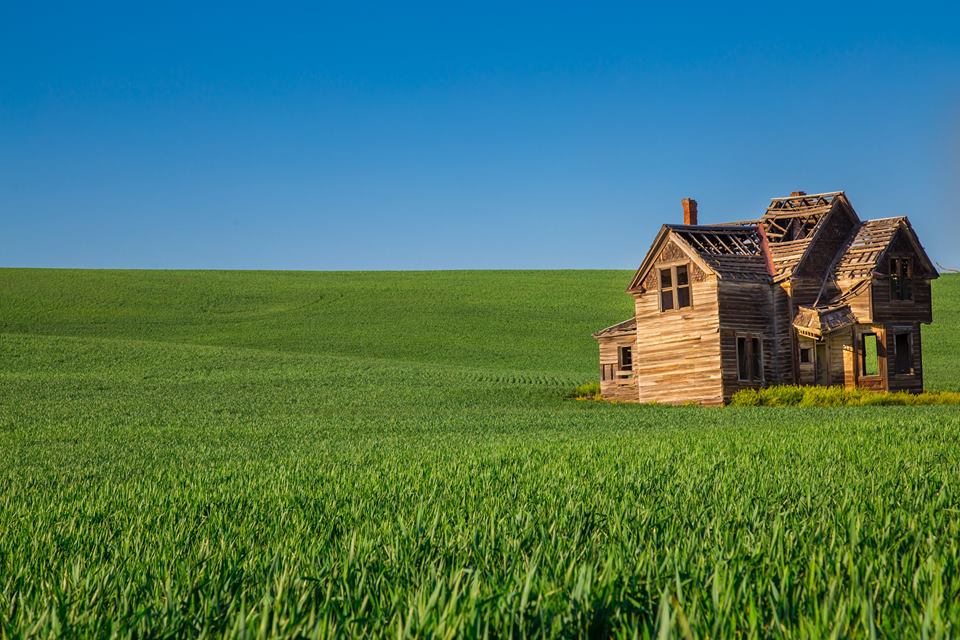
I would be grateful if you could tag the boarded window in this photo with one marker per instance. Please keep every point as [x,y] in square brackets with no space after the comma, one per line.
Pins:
[869,355]
[901,272]
[749,359]
[625,358]
[675,288]
[901,344]
[806,355]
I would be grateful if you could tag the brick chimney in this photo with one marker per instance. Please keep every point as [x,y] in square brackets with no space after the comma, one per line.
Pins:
[689,211]
[798,193]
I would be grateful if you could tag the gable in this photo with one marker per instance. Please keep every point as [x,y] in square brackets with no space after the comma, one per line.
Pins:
[805,232]
[905,244]
[666,247]
[873,241]
[672,253]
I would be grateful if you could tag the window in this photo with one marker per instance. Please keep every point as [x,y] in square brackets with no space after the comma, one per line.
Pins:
[675,288]
[806,355]
[901,271]
[869,356]
[625,358]
[749,359]
[904,361]
[666,290]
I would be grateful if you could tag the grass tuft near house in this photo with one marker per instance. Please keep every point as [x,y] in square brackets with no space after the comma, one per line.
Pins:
[806,396]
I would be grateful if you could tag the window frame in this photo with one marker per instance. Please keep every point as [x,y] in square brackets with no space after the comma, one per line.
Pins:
[628,348]
[910,370]
[752,342]
[674,288]
[862,359]
[901,286]
[809,351]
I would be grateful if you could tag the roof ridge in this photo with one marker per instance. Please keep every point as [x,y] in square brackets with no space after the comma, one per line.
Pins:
[809,195]
[886,218]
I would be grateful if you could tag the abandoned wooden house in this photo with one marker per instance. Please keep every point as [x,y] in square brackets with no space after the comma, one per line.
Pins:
[807,294]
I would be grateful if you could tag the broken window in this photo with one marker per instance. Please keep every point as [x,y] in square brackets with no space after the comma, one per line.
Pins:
[675,288]
[749,359]
[806,355]
[904,356]
[869,355]
[901,271]
[625,358]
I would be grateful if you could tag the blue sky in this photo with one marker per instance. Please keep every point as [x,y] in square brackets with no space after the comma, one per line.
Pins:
[454,135]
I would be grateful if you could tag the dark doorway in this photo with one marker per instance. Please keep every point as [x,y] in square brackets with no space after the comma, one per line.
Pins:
[822,364]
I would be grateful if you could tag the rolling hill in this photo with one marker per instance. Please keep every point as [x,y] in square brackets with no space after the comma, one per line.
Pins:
[308,454]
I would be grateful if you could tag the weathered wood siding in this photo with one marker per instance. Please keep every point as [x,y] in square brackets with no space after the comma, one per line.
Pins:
[862,305]
[747,309]
[677,359]
[886,309]
[782,338]
[833,234]
[804,291]
[621,386]
[807,279]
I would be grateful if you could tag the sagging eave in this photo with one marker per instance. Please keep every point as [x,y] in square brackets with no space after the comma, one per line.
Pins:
[623,328]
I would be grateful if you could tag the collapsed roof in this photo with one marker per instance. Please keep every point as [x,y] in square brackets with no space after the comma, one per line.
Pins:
[771,248]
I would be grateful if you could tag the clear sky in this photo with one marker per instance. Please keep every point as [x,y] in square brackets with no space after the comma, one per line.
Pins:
[455,135]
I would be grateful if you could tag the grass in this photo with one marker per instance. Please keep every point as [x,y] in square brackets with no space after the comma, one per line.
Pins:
[316,454]
[802,396]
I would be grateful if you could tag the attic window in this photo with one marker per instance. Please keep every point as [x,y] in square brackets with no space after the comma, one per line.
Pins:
[901,272]
[674,288]
[749,359]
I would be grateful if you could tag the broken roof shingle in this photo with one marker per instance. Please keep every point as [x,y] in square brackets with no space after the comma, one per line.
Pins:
[733,251]
[863,251]
[621,328]
[792,223]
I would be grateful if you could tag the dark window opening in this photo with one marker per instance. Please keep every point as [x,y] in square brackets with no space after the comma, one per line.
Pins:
[901,273]
[625,358]
[749,359]
[675,288]
[756,366]
[869,355]
[683,287]
[904,361]
[666,300]
[743,373]
[806,355]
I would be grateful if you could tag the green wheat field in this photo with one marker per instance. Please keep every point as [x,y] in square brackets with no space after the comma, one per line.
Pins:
[298,454]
